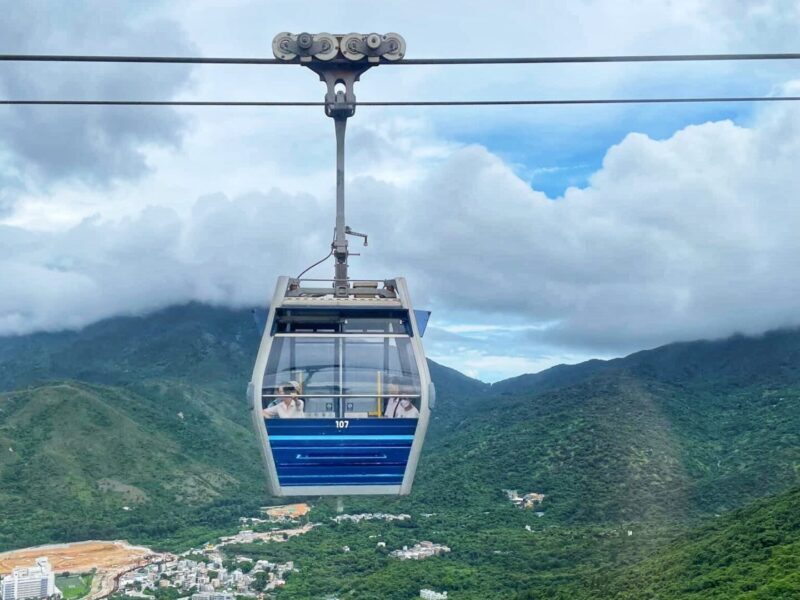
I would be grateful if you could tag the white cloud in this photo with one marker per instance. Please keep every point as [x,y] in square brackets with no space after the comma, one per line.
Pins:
[43,145]
[480,329]
[688,236]
[492,367]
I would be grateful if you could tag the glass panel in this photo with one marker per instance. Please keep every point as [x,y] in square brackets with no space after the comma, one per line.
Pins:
[314,364]
[383,368]
[400,408]
[358,376]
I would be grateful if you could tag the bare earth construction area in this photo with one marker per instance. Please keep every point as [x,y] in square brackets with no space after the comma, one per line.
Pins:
[108,558]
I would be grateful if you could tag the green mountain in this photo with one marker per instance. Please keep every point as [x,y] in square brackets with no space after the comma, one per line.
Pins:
[749,554]
[137,427]
[197,344]
[735,361]
[752,553]
[624,447]
[150,460]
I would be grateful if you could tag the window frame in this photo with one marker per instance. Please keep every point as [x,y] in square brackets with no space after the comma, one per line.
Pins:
[339,396]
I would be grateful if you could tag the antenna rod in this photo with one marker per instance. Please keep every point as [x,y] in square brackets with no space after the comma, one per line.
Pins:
[340,251]
[339,60]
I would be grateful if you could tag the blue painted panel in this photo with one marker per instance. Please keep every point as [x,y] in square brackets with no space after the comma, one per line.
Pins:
[339,445]
[366,480]
[334,466]
[316,455]
[260,317]
[345,431]
[422,317]
[316,452]
[346,470]
[343,437]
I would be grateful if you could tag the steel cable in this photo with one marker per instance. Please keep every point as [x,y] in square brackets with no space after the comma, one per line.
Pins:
[408,61]
[543,102]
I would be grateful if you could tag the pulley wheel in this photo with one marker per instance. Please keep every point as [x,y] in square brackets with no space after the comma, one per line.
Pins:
[351,46]
[328,46]
[282,45]
[397,46]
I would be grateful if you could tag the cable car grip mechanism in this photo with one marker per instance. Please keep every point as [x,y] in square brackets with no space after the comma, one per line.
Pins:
[339,60]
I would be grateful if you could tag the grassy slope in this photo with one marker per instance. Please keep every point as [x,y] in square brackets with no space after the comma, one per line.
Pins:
[81,452]
[619,448]
[96,419]
[749,554]
[752,553]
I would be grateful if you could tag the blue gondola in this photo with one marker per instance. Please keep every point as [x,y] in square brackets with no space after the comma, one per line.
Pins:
[340,392]
[346,360]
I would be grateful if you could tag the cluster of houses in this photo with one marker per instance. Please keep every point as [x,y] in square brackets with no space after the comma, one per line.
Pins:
[529,500]
[207,577]
[420,551]
[370,517]
[203,573]
[248,536]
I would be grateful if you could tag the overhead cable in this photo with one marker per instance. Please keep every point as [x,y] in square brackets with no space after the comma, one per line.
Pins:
[284,104]
[407,61]
[537,60]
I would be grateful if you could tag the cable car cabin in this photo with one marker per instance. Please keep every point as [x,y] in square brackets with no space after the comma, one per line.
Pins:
[341,391]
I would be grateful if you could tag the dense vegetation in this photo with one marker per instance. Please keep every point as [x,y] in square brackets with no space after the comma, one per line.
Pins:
[138,428]
[144,413]
[752,553]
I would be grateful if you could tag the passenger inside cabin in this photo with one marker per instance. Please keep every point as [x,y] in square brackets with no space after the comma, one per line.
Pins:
[289,404]
[398,407]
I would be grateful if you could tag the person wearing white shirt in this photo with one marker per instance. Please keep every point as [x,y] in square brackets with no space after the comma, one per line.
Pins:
[289,405]
[396,407]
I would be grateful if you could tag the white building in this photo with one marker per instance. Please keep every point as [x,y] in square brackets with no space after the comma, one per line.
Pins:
[432,595]
[420,551]
[213,596]
[30,582]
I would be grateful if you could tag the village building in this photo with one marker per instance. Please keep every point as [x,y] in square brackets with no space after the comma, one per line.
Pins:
[419,551]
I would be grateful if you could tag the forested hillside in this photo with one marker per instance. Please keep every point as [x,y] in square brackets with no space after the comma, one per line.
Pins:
[138,428]
[732,362]
[622,446]
[751,553]
[147,413]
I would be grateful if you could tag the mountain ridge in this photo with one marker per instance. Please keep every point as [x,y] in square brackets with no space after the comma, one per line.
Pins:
[658,361]
[670,437]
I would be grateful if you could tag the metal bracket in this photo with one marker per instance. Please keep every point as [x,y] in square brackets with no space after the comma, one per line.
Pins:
[339,60]
[339,103]
[349,231]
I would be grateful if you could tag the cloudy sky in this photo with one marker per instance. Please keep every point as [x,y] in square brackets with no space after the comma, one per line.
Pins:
[537,235]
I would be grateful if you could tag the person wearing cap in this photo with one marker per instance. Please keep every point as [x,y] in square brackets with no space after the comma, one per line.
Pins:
[397,407]
[289,405]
